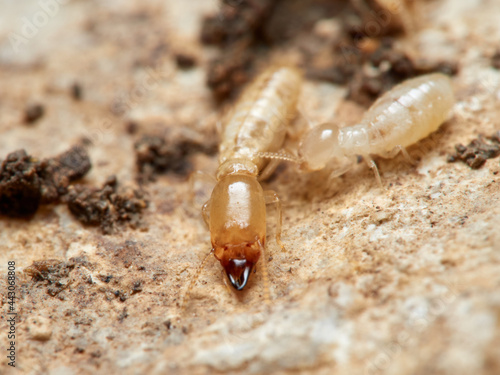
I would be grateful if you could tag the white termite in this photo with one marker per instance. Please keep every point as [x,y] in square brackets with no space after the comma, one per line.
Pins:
[401,117]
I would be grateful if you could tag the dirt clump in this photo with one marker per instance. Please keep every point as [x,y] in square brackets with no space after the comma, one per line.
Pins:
[185,60]
[477,151]
[25,182]
[33,112]
[349,53]
[495,60]
[54,272]
[391,67]
[157,155]
[105,206]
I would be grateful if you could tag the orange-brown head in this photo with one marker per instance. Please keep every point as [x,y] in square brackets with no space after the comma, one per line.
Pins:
[238,261]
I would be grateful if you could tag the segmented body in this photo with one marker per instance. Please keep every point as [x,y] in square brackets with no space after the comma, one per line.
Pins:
[258,121]
[401,117]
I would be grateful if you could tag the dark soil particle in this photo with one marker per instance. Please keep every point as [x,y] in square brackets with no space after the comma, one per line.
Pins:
[131,127]
[58,172]
[76,91]
[33,112]
[55,273]
[393,67]
[229,71]
[155,154]
[477,151]
[20,185]
[104,206]
[123,315]
[137,287]
[236,20]
[495,60]
[25,183]
[246,30]
[185,61]
[236,29]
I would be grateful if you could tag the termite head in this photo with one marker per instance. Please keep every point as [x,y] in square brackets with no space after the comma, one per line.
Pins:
[238,261]
[319,147]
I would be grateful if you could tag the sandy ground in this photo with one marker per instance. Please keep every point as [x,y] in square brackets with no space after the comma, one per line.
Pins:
[403,281]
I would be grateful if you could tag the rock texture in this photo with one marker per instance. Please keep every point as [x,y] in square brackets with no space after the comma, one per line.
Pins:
[402,281]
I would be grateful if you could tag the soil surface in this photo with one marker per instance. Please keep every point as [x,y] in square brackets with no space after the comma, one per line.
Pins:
[115,103]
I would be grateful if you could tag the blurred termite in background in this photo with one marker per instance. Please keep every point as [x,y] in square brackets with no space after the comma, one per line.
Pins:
[401,117]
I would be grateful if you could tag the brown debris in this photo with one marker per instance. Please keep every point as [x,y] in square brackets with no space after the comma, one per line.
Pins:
[236,28]
[33,112]
[25,183]
[339,74]
[245,30]
[376,19]
[20,185]
[185,61]
[76,91]
[394,67]
[228,72]
[131,127]
[126,253]
[155,155]
[49,270]
[54,272]
[477,151]
[237,19]
[294,20]
[58,172]
[495,60]
[105,207]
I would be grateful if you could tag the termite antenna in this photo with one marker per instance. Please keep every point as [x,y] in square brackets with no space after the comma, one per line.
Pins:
[280,155]
[187,295]
[265,276]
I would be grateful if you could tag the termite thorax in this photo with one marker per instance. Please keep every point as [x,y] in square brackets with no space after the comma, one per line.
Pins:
[237,166]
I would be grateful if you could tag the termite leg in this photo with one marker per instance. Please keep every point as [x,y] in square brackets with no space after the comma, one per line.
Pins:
[406,155]
[205,212]
[200,194]
[269,169]
[275,159]
[271,197]
[185,299]
[301,125]
[390,154]
[341,170]
[374,168]
[396,150]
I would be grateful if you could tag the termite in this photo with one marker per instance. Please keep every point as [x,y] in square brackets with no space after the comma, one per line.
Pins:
[401,117]
[236,210]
